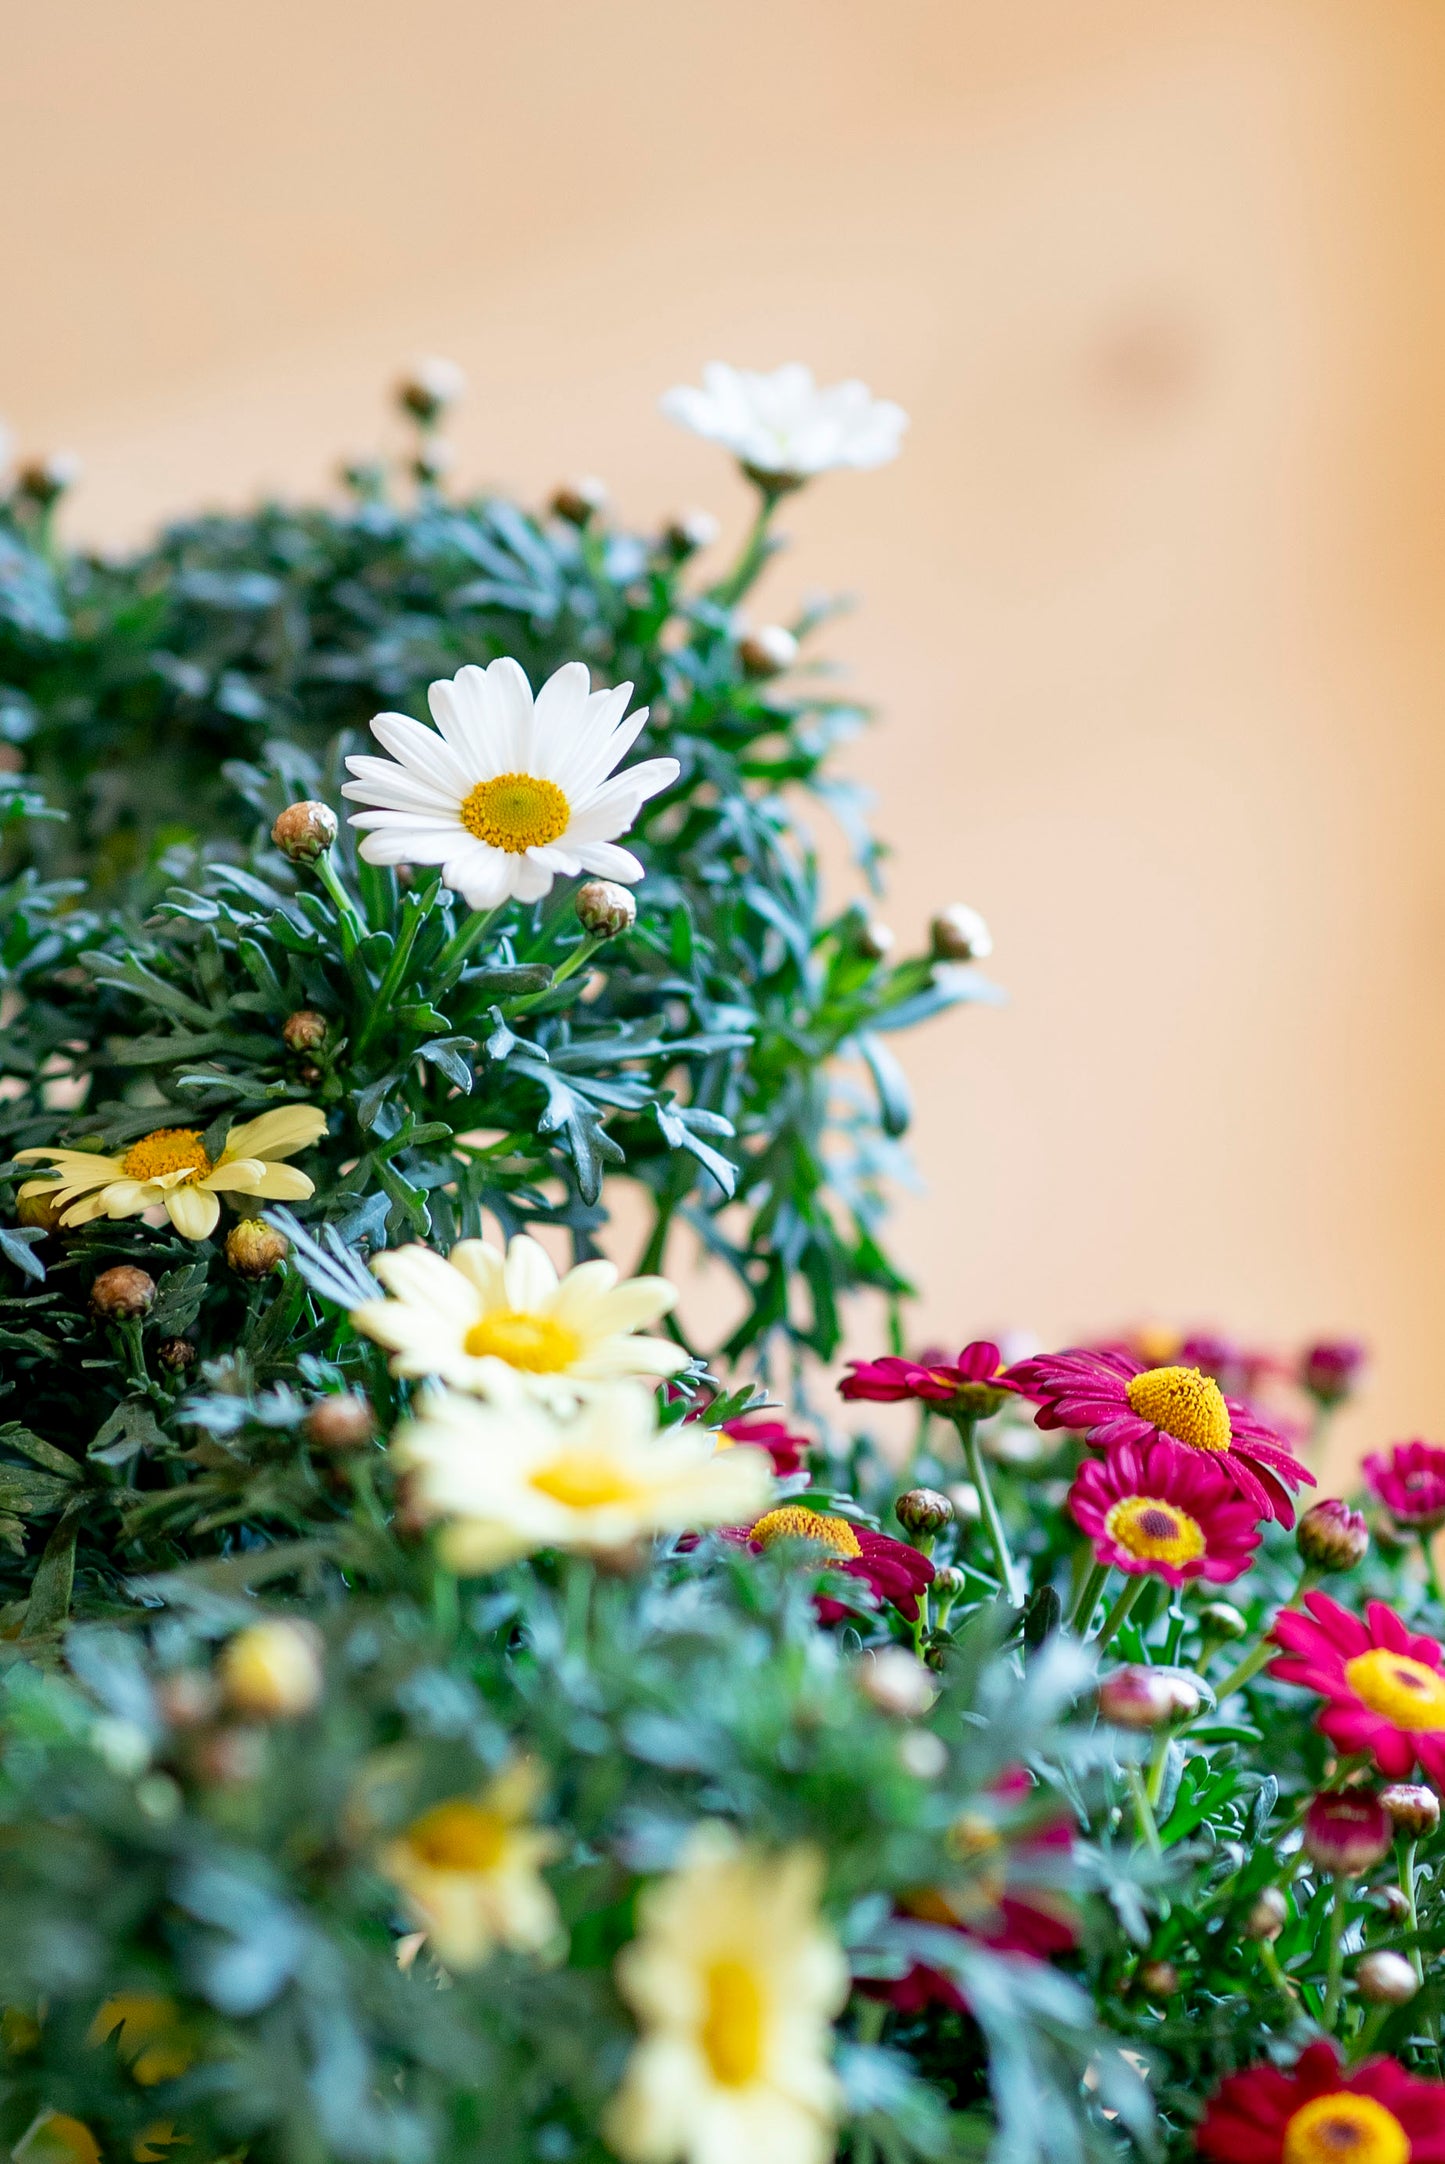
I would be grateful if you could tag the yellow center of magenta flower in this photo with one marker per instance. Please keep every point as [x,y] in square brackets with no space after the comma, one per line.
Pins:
[458,1836]
[790,1522]
[584,1480]
[1344,2129]
[1182,1403]
[732,2025]
[1402,1690]
[169,1149]
[1155,1532]
[516,812]
[533,1342]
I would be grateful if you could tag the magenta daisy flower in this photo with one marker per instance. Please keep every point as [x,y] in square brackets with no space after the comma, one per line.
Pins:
[970,1384]
[1319,2114]
[890,1568]
[1161,1510]
[1110,1397]
[1410,1482]
[787,1450]
[1384,1683]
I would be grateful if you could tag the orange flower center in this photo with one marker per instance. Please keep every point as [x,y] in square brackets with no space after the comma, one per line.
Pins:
[516,812]
[1155,1532]
[732,2024]
[458,1836]
[1183,1403]
[584,1480]
[169,1149]
[1404,1691]
[1344,2129]
[533,1342]
[791,1522]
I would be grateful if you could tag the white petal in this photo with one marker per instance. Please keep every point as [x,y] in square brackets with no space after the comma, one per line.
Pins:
[457,708]
[422,1279]
[611,809]
[531,1279]
[597,752]
[396,789]
[531,879]
[607,861]
[508,698]
[483,876]
[404,844]
[423,750]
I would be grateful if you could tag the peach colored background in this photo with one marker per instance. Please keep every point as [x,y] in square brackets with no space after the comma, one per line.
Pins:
[1152,601]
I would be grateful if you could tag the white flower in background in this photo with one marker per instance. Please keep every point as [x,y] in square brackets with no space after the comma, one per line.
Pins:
[508,1478]
[512,791]
[470,1870]
[479,1318]
[734,1980]
[170,1169]
[784,426]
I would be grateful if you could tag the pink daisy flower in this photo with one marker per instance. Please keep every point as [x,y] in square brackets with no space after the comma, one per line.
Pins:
[889,1568]
[787,1451]
[1319,2114]
[971,1383]
[1383,1683]
[1161,1510]
[1410,1482]
[1110,1397]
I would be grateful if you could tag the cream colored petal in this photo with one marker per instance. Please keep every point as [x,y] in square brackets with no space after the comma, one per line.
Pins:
[531,1279]
[277,1133]
[193,1212]
[86,1211]
[235,1175]
[636,1302]
[127,1198]
[483,1266]
[579,1296]
[284,1183]
[418,1275]
[631,1356]
[76,1164]
[470,1546]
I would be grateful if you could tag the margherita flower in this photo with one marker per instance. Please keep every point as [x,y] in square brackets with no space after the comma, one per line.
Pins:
[786,1450]
[1319,2114]
[734,1979]
[1161,1510]
[1384,1683]
[477,1317]
[506,1478]
[1110,1397]
[470,1870]
[784,427]
[1410,1482]
[171,1170]
[890,1568]
[968,1384]
[512,792]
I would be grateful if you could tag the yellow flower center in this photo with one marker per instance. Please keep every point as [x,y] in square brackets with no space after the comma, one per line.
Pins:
[732,2025]
[584,1480]
[1404,1691]
[533,1342]
[1155,1532]
[169,1149]
[1344,2129]
[516,812]
[150,2035]
[1183,1403]
[971,1836]
[790,1522]
[60,2139]
[458,1836]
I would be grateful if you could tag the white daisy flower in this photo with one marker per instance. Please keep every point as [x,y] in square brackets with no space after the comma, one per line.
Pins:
[513,791]
[784,426]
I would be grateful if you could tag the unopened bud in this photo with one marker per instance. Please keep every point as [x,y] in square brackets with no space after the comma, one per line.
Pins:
[1221,1619]
[1395,1902]
[580,501]
[45,480]
[604,909]
[1159,1978]
[1347,1831]
[427,390]
[923,1512]
[272,1670]
[433,462]
[1269,1915]
[875,940]
[1386,1979]
[1333,1370]
[1414,1809]
[1138,1698]
[768,650]
[176,1354]
[187,1697]
[305,831]
[1331,1536]
[959,934]
[689,532]
[123,1293]
[254,1249]
[949,1584]
[342,1422]
[894,1681]
[922,1754]
[304,1030]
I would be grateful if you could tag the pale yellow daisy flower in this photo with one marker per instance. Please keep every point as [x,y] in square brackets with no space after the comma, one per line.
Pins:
[508,1477]
[735,1980]
[171,1170]
[475,1316]
[470,1871]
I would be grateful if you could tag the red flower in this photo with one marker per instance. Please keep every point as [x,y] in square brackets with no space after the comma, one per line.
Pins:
[1110,1397]
[1318,2114]
[1161,1510]
[1384,1683]
[786,1450]
[890,1568]
[971,1383]
[1410,1482]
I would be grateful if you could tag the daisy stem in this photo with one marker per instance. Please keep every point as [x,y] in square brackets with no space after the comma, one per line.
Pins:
[1412,1914]
[1144,1809]
[1432,1569]
[379,1008]
[577,1606]
[1374,2022]
[1120,1610]
[1335,1970]
[967,1426]
[755,551]
[353,931]
[582,952]
[1088,1599]
[1266,1649]
[453,958]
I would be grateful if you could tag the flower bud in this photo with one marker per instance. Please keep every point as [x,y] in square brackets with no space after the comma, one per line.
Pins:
[922,1754]
[895,1682]
[689,532]
[342,1422]
[604,909]
[768,650]
[1269,1915]
[1395,1902]
[875,940]
[959,934]
[1333,1370]
[580,501]
[433,462]
[123,1294]
[1139,1698]
[304,1030]
[949,1584]
[254,1249]
[1414,1809]
[1221,1619]
[187,1697]
[922,1512]
[305,831]
[175,1354]
[272,1670]
[1331,1536]
[1159,1978]
[1387,1979]
[427,390]
[1347,1831]
[45,480]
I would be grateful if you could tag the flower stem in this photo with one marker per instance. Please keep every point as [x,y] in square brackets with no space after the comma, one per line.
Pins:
[1335,1971]
[353,931]
[582,952]
[1120,1610]
[577,1606]
[1144,1812]
[755,552]
[453,958]
[1412,1917]
[1266,1649]
[1432,1569]
[967,1426]
[1088,1599]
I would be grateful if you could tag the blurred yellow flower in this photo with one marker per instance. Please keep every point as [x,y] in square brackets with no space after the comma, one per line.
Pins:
[470,1870]
[170,1169]
[56,2138]
[735,1981]
[148,2031]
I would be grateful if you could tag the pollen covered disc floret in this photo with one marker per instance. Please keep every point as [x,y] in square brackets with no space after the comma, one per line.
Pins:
[1383,1684]
[1163,1509]
[791,1522]
[1405,1691]
[1344,2129]
[1184,1403]
[1154,1530]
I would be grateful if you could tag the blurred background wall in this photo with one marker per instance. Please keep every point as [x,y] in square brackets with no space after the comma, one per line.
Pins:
[1152,602]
